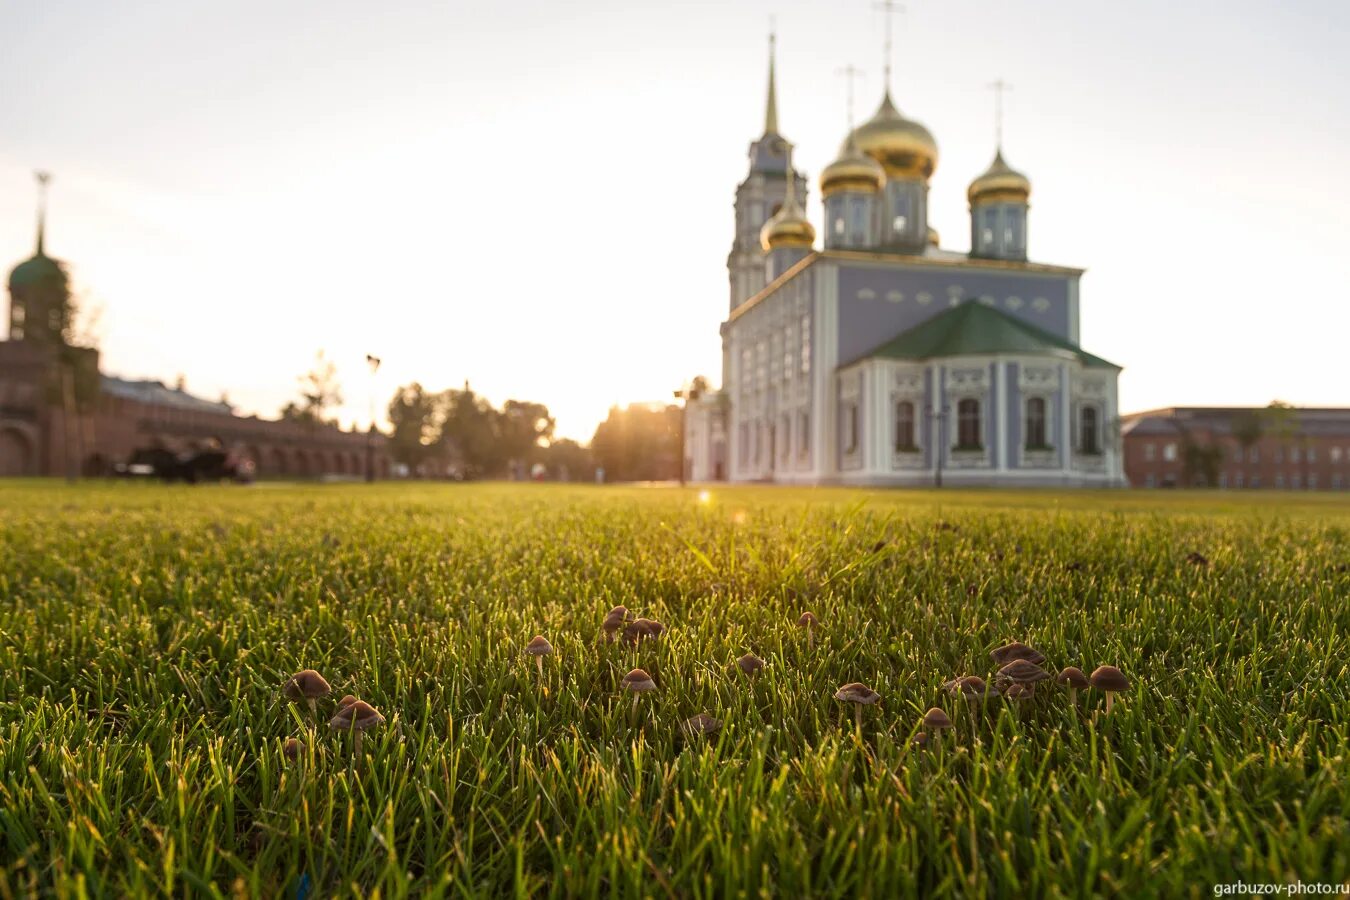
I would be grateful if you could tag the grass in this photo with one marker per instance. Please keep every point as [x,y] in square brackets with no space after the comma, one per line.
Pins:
[145,633]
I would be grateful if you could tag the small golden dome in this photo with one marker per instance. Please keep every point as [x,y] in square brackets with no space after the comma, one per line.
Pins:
[852,171]
[905,148]
[1000,182]
[789,227]
[933,236]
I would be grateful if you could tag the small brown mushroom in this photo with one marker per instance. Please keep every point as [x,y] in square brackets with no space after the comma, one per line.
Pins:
[356,717]
[750,664]
[1197,559]
[1019,691]
[937,721]
[1075,679]
[642,629]
[306,684]
[346,701]
[1111,680]
[1021,671]
[539,647]
[1014,650]
[920,740]
[859,695]
[701,724]
[808,621]
[614,620]
[971,687]
[292,749]
[639,682]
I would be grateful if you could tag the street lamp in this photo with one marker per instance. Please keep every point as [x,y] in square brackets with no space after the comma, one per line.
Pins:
[938,414]
[374,363]
[686,393]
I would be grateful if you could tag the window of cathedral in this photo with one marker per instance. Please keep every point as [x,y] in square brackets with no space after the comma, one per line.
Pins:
[1088,441]
[839,225]
[851,428]
[904,427]
[803,433]
[968,436]
[1035,424]
[900,223]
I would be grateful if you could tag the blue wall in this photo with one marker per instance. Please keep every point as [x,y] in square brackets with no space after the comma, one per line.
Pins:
[866,323]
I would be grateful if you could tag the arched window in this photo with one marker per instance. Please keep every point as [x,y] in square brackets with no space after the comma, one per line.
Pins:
[851,428]
[1036,423]
[904,425]
[1087,428]
[968,425]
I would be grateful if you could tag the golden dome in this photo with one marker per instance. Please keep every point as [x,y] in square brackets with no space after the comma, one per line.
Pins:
[933,236]
[904,147]
[999,182]
[788,228]
[852,171]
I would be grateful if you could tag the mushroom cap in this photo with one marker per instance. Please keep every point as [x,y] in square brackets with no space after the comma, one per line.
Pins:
[1023,671]
[639,629]
[292,748]
[639,681]
[1020,691]
[615,618]
[306,684]
[808,618]
[1073,677]
[937,719]
[702,724]
[750,663]
[1109,678]
[920,740]
[966,686]
[356,716]
[1016,650]
[346,701]
[539,646]
[857,692]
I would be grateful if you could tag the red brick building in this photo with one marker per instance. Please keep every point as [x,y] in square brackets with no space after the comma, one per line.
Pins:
[1289,448]
[59,415]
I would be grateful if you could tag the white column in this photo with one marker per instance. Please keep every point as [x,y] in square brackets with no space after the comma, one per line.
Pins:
[1066,420]
[824,350]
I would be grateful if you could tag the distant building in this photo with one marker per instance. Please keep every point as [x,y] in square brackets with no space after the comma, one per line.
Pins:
[59,415]
[883,358]
[1291,448]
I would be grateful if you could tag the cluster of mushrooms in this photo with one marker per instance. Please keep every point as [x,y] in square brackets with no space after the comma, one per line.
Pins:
[353,715]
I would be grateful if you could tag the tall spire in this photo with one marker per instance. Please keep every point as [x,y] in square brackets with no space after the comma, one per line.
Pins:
[771,108]
[888,7]
[999,87]
[42,179]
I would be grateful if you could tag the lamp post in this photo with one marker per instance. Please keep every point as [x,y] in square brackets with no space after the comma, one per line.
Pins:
[686,393]
[374,363]
[938,414]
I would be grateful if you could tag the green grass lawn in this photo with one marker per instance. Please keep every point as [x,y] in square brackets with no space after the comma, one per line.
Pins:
[145,634]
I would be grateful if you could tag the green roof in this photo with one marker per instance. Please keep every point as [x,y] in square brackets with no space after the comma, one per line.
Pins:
[972,329]
[39,268]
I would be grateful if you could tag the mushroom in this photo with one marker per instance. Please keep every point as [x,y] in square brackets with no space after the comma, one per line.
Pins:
[1111,680]
[971,687]
[1022,671]
[292,748]
[1197,558]
[639,682]
[859,695]
[701,724]
[1075,679]
[1016,650]
[346,701]
[920,740]
[1019,691]
[641,629]
[937,721]
[306,684]
[614,620]
[356,716]
[808,621]
[539,647]
[750,664]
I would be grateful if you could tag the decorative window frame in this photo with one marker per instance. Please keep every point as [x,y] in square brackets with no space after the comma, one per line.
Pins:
[968,380]
[907,384]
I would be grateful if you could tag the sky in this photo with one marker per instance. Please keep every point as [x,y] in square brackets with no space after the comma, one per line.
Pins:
[537,197]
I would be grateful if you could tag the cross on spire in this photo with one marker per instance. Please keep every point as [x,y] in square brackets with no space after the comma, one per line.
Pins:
[888,7]
[771,107]
[42,179]
[999,87]
[850,72]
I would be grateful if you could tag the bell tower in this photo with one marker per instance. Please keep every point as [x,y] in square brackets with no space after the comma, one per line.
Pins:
[39,289]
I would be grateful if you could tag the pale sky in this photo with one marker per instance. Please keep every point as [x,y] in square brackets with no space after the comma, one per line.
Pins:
[537,196]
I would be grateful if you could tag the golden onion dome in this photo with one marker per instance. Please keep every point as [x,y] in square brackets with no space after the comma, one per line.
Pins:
[1000,182]
[852,171]
[788,227]
[903,147]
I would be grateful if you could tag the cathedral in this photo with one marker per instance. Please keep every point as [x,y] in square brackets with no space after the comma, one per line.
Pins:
[877,357]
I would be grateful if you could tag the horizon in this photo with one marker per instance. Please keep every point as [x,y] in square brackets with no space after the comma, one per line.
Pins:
[364,181]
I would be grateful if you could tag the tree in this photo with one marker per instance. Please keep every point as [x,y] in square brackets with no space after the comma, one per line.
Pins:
[639,443]
[569,461]
[523,430]
[319,393]
[416,419]
[470,425]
